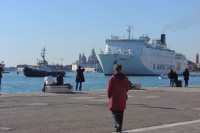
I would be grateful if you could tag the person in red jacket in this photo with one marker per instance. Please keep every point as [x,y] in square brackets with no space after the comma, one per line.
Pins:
[117,89]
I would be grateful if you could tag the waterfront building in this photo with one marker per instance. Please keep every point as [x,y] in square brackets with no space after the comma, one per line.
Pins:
[7,69]
[192,66]
[90,65]
[197,58]
[197,61]
[2,64]
[20,68]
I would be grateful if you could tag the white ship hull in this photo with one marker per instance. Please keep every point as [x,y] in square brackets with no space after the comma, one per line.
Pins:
[139,65]
[138,57]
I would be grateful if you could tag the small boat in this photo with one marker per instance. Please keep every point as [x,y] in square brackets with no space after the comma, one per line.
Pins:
[163,76]
[42,69]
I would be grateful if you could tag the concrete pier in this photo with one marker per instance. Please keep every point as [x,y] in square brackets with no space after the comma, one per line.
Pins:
[151,110]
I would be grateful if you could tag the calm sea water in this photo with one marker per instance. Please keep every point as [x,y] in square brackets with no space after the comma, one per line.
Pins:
[17,83]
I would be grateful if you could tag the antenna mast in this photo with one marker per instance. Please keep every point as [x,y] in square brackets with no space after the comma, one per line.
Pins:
[43,54]
[61,60]
[129,31]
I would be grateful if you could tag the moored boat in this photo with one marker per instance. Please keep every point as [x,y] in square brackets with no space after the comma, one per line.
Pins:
[41,69]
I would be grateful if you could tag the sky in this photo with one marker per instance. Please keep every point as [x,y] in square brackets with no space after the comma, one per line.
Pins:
[67,28]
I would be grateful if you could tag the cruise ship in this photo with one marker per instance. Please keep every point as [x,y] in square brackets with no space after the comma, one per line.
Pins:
[139,57]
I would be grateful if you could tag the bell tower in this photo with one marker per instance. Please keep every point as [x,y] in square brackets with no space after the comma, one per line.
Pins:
[197,58]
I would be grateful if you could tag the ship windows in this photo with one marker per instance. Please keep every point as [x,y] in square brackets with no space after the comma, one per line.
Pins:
[178,66]
[162,67]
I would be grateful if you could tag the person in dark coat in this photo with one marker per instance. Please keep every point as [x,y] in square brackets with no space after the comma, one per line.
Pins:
[118,86]
[1,70]
[176,78]
[59,79]
[171,77]
[79,77]
[186,75]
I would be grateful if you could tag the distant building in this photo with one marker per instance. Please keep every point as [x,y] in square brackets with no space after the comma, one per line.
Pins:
[90,65]
[192,66]
[67,68]
[7,69]
[197,58]
[2,64]
[197,61]
[20,68]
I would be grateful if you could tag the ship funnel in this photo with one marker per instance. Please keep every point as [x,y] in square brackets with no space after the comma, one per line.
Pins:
[163,39]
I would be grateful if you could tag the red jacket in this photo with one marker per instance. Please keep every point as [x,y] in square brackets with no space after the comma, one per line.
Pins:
[118,85]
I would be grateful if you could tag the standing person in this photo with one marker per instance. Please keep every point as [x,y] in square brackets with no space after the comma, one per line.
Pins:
[186,75]
[48,80]
[176,78]
[171,77]
[59,79]
[117,89]
[1,70]
[79,77]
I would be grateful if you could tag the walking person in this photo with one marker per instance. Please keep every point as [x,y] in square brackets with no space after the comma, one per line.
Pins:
[79,77]
[1,70]
[118,86]
[186,75]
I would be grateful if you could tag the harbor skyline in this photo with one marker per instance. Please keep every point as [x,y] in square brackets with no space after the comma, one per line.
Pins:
[67,28]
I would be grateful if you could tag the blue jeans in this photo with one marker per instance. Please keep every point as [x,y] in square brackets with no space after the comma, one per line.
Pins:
[171,82]
[80,86]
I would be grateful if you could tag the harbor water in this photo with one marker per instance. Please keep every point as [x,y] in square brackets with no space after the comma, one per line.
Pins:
[18,83]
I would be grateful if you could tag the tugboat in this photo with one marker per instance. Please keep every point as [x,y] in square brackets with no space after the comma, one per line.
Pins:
[42,68]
